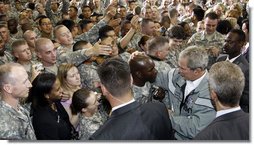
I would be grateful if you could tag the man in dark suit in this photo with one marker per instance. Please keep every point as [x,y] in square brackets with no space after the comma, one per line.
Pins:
[226,85]
[232,47]
[129,120]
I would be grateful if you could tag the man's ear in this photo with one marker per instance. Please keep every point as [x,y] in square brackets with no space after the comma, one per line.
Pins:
[7,88]
[104,90]
[15,54]
[213,95]
[83,110]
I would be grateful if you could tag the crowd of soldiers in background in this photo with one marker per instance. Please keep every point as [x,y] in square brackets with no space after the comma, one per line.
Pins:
[67,40]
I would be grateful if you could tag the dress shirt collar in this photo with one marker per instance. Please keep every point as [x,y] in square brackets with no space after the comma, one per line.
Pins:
[222,112]
[232,59]
[122,105]
[191,85]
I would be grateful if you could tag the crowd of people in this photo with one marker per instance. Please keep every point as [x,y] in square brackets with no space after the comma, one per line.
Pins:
[124,70]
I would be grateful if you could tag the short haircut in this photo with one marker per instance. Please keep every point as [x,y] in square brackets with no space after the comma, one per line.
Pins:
[79,100]
[43,17]
[84,22]
[227,80]
[199,13]
[15,44]
[223,27]
[75,8]
[79,45]
[6,73]
[212,16]
[145,21]
[57,28]
[197,57]
[70,24]
[240,33]
[176,32]
[114,74]
[156,43]
[104,30]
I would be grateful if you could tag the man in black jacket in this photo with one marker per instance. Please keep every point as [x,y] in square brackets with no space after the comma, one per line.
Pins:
[129,120]
[226,85]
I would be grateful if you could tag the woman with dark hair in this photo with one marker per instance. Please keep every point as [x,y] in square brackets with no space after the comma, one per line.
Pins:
[49,118]
[86,103]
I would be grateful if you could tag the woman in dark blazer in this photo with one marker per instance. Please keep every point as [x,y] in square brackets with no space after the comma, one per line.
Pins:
[49,118]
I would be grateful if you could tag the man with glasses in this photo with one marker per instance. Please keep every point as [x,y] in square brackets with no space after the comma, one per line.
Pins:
[191,108]
[45,27]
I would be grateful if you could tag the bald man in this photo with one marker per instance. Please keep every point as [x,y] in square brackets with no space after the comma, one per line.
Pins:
[144,73]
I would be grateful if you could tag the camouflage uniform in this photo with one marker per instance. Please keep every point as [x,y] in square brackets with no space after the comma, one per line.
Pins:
[66,55]
[163,66]
[88,75]
[18,35]
[200,39]
[52,69]
[15,124]
[88,125]
[141,94]
[55,17]
[172,58]
[6,58]
[92,35]
[133,42]
[8,45]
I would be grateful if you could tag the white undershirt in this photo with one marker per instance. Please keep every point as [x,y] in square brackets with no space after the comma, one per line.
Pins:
[191,85]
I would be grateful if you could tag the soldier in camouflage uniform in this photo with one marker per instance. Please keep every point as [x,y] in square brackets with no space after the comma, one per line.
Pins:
[144,73]
[92,35]
[57,15]
[209,38]
[158,50]
[5,34]
[5,56]
[176,38]
[15,122]
[86,103]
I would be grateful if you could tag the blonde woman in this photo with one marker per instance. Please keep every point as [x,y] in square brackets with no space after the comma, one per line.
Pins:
[69,78]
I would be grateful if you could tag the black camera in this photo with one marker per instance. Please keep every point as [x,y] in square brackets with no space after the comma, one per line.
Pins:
[157,93]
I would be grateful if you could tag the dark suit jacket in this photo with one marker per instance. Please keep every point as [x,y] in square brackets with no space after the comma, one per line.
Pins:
[231,126]
[51,125]
[244,65]
[134,121]
[246,55]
